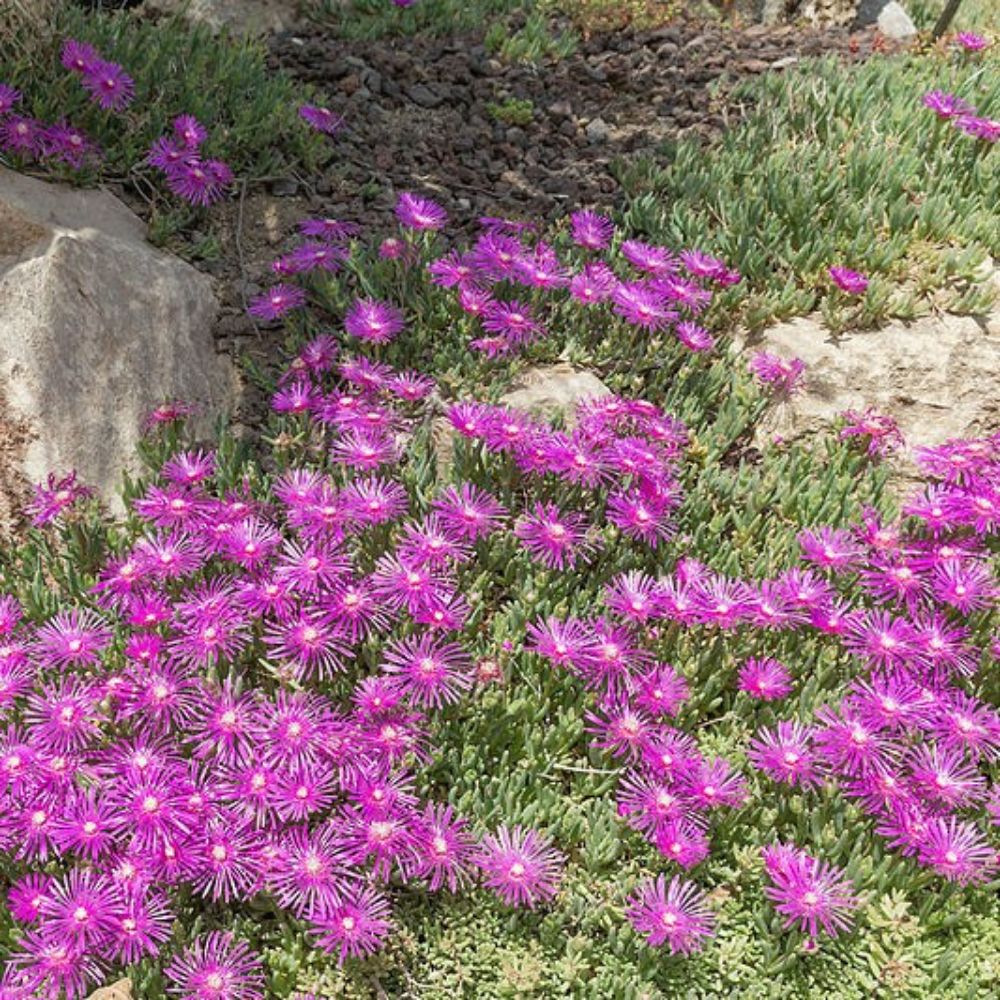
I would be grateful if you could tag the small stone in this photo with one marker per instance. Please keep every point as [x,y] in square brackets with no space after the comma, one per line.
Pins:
[422,95]
[285,187]
[598,132]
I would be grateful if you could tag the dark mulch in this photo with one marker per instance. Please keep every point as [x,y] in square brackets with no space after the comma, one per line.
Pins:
[418,110]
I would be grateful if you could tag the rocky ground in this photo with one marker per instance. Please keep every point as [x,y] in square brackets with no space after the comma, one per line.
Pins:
[427,113]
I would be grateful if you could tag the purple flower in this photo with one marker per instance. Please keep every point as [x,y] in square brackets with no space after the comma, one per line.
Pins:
[986,129]
[56,496]
[847,280]
[764,678]
[189,132]
[785,754]
[322,119]
[591,231]
[812,895]
[373,321]
[21,136]
[68,144]
[79,56]
[9,96]
[881,431]
[674,914]
[957,850]
[418,213]
[971,42]
[946,105]
[109,85]
[355,926]
[216,966]
[556,539]
[279,300]
[783,374]
[430,673]
[200,182]
[519,865]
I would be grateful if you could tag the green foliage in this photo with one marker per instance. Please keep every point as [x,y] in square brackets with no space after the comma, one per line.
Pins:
[837,167]
[532,42]
[378,18]
[513,111]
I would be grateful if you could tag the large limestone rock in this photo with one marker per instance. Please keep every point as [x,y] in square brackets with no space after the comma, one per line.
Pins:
[96,328]
[121,990]
[554,390]
[938,377]
[239,17]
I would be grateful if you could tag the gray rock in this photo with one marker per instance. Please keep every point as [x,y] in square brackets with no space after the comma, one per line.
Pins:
[939,377]
[422,95]
[239,17]
[96,328]
[598,131]
[894,22]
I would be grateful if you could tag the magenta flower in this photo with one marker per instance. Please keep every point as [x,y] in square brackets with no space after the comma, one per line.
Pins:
[200,182]
[812,895]
[878,432]
[785,754]
[279,300]
[554,538]
[431,674]
[442,850]
[353,927]
[68,144]
[971,42]
[9,96]
[79,57]
[519,865]
[675,914]
[216,966]
[591,231]
[783,374]
[109,85]
[376,322]
[957,850]
[764,678]
[847,280]
[418,213]
[21,136]
[984,129]
[54,497]
[322,119]
[945,105]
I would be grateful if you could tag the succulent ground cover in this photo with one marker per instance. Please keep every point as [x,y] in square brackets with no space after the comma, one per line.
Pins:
[603,705]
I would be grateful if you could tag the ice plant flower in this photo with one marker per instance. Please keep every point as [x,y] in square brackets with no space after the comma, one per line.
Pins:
[764,678]
[851,282]
[54,497]
[946,106]
[216,966]
[782,374]
[812,895]
[419,213]
[322,119]
[276,302]
[375,322]
[520,865]
[675,914]
[971,42]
